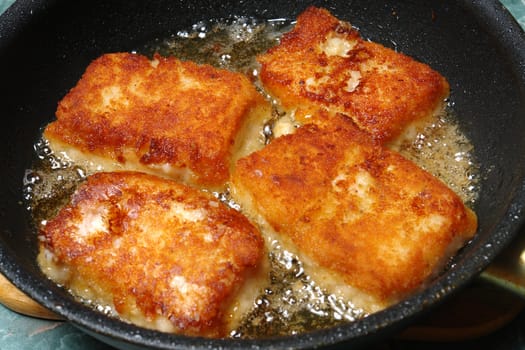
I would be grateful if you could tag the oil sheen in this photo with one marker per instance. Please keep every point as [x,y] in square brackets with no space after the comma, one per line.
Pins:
[292,302]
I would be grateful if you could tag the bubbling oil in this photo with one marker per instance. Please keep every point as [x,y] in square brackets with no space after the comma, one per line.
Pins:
[442,149]
[292,302]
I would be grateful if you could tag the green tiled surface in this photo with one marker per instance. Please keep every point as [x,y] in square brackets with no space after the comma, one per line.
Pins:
[517,8]
[4,4]
[18,332]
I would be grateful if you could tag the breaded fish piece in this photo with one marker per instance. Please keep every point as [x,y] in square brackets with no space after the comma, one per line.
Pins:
[167,117]
[355,208]
[324,63]
[161,254]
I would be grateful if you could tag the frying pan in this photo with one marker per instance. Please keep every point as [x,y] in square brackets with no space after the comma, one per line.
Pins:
[46,45]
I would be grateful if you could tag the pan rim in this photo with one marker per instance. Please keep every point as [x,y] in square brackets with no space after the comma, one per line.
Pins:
[398,314]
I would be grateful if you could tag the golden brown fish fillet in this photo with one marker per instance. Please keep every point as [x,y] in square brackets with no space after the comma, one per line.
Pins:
[350,206]
[162,254]
[167,117]
[324,63]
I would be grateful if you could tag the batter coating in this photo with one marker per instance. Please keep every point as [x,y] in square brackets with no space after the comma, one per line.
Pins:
[167,117]
[354,208]
[161,254]
[323,63]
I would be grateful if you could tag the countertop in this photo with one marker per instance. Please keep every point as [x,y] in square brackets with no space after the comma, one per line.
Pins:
[18,332]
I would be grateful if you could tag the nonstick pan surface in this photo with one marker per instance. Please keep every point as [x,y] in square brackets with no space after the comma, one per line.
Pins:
[46,45]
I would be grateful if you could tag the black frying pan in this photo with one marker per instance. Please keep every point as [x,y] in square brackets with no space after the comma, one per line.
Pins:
[46,45]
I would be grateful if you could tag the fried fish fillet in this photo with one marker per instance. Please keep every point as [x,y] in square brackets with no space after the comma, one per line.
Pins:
[161,254]
[354,209]
[323,63]
[167,117]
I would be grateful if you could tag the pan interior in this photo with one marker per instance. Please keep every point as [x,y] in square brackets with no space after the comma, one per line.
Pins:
[46,45]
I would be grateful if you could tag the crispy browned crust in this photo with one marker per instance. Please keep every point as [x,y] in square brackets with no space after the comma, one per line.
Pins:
[355,207]
[387,90]
[185,115]
[157,247]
